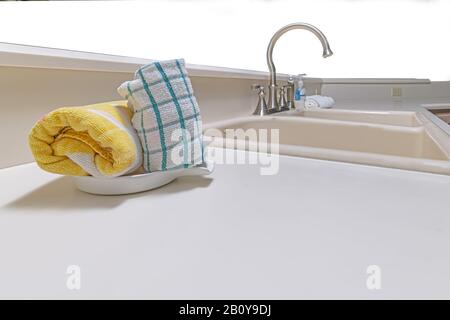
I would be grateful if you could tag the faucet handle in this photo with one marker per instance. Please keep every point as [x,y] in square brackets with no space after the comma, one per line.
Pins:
[282,102]
[258,87]
[261,108]
[261,90]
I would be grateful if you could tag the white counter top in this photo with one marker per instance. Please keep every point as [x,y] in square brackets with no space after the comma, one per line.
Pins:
[309,232]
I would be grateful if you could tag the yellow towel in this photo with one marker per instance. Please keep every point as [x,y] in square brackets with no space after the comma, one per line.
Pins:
[96,140]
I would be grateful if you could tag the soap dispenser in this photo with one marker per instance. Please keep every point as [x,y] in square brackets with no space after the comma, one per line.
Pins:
[300,93]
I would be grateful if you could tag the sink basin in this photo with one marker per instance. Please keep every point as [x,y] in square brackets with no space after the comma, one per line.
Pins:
[395,118]
[413,143]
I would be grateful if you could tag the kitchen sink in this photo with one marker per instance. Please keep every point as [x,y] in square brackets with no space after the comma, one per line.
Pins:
[395,118]
[404,140]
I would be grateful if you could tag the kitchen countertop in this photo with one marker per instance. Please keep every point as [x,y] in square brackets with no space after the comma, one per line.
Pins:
[310,231]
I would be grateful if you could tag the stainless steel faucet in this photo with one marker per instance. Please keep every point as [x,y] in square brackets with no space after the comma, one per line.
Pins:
[273,105]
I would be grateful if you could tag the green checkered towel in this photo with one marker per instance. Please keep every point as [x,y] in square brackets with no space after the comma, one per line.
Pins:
[166,115]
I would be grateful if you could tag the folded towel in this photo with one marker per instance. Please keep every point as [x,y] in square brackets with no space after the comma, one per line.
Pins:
[166,115]
[318,102]
[95,140]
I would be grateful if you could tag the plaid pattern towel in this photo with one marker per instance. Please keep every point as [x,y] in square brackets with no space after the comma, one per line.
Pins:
[166,116]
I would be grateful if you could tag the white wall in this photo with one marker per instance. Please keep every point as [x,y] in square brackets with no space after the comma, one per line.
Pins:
[370,38]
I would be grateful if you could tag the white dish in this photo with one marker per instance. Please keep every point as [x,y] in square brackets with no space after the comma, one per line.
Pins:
[138,182]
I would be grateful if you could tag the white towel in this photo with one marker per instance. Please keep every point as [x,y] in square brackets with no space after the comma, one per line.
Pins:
[316,101]
[166,116]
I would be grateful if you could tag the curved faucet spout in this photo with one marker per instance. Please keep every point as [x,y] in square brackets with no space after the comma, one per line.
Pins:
[326,46]
[273,104]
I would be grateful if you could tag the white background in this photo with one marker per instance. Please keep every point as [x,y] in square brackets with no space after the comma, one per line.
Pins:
[370,38]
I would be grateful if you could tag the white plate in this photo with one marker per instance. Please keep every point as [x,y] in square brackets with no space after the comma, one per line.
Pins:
[138,182]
